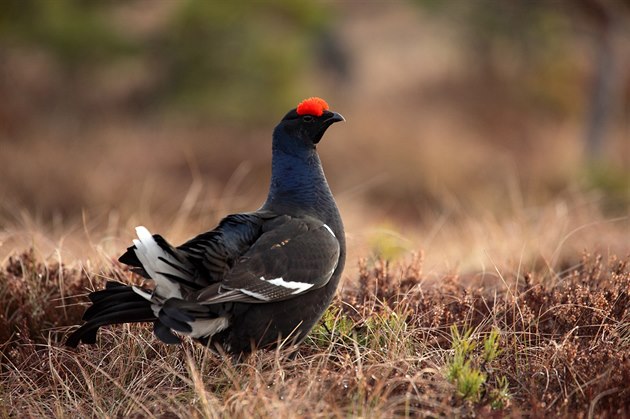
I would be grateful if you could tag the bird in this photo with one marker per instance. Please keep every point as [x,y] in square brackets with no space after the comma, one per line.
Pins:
[259,279]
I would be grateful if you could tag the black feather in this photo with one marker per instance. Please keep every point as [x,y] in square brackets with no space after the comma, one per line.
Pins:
[174,266]
[87,332]
[164,334]
[112,302]
[117,303]
[111,288]
[164,245]
[180,280]
[130,258]
[173,323]
[172,311]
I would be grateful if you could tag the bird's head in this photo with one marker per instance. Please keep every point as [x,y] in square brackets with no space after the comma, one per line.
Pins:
[307,123]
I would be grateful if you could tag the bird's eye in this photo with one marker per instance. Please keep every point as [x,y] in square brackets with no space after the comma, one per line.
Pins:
[307,118]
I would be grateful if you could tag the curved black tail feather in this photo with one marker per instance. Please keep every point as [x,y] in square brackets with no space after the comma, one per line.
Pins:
[116,304]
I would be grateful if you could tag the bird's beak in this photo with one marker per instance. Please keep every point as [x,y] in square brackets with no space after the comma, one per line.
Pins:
[334,117]
[329,118]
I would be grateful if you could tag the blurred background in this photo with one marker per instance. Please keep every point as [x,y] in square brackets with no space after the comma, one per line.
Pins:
[476,130]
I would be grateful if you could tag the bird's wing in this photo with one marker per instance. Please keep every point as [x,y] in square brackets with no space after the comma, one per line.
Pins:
[197,263]
[293,255]
[213,253]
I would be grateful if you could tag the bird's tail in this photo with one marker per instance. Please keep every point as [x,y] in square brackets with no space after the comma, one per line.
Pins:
[117,303]
[153,257]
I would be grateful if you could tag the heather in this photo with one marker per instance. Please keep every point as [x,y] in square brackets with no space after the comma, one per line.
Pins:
[387,346]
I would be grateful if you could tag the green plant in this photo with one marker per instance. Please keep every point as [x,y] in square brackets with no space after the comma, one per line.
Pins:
[469,369]
[491,346]
[467,378]
[470,382]
[384,332]
[333,326]
[500,395]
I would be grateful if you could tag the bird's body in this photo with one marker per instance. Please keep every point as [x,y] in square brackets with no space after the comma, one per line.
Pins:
[258,278]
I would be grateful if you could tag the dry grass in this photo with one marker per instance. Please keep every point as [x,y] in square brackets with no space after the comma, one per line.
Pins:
[384,348]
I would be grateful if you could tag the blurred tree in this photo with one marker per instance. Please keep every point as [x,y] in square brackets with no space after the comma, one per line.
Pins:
[237,59]
[606,20]
[531,41]
[518,40]
[75,31]
[228,60]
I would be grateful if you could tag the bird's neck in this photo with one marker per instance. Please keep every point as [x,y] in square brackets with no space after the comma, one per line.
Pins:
[298,182]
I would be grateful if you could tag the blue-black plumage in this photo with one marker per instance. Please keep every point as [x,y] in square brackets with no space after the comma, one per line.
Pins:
[258,278]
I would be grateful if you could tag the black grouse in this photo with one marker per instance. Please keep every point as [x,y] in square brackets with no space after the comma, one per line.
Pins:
[258,278]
